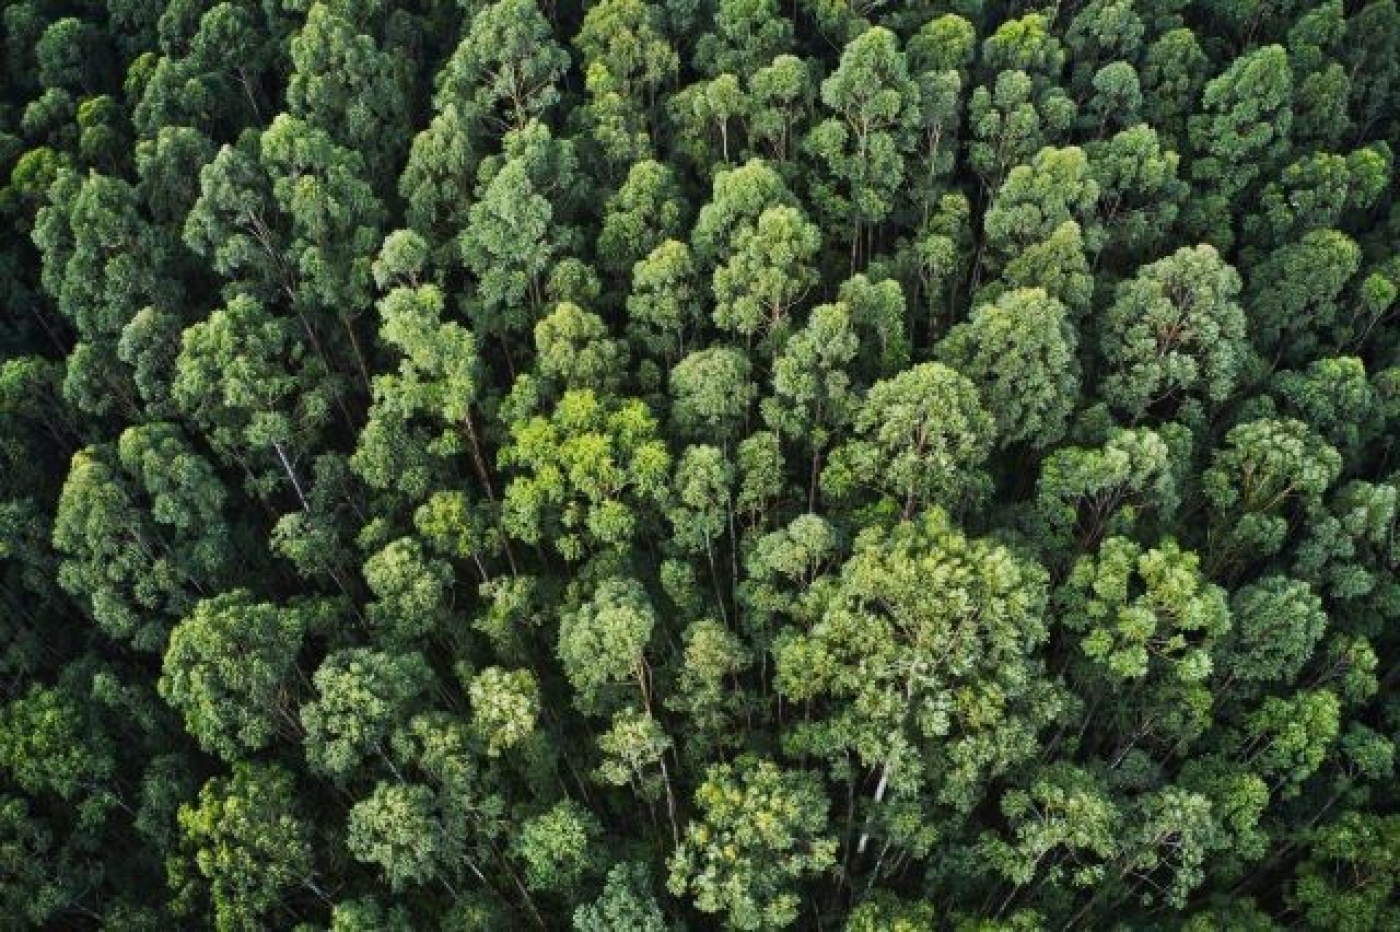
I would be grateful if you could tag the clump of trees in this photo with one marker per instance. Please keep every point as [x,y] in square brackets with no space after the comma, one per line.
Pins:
[649,464]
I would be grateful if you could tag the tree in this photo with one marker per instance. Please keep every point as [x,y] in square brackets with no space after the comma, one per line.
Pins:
[1020,353]
[48,745]
[627,41]
[102,263]
[603,643]
[1296,295]
[324,190]
[1315,191]
[1372,36]
[438,180]
[169,167]
[1145,612]
[905,650]
[1175,330]
[1085,493]
[342,83]
[1010,121]
[768,273]
[246,380]
[422,417]
[761,831]
[739,197]
[31,892]
[514,230]
[505,705]
[1278,622]
[1064,828]
[814,400]
[747,36]
[556,847]
[142,533]
[1140,194]
[625,903]
[573,350]
[361,695]
[711,392]
[1025,44]
[505,70]
[397,829]
[1349,875]
[586,474]
[863,145]
[921,438]
[246,840]
[664,305]
[1174,71]
[230,668]
[1243,128]
[713,657]
[648,210]
[780,98]
[1037,199]
[1265,472]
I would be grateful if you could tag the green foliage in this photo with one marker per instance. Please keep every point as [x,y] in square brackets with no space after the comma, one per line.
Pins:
[1145,612]
[1175,331]
[555,847]
[360,696]
[836,464]
[1019,352]
[505,705]
[921,437]
[247,844]
[395,828]
[761,832]
[227,671]
[587,474]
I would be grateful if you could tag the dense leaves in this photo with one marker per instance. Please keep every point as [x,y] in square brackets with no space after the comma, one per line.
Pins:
[659,464]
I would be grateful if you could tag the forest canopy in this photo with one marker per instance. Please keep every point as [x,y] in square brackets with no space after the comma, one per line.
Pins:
[644,465]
